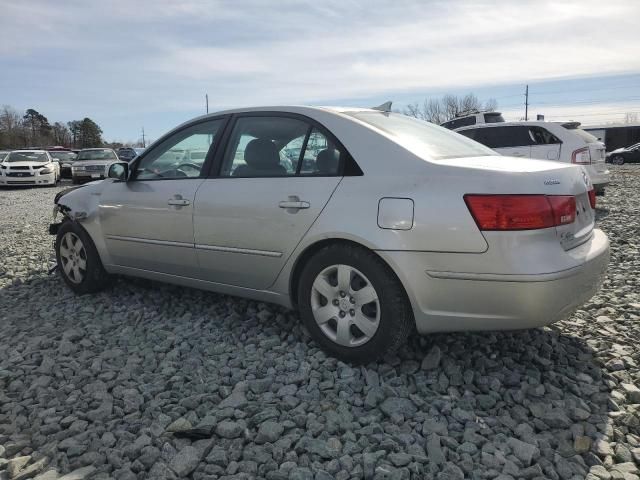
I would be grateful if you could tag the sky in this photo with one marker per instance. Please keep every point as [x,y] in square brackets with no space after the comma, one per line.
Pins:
[148,63]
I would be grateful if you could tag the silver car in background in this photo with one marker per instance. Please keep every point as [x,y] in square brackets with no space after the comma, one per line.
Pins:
[371,223]
[92,164]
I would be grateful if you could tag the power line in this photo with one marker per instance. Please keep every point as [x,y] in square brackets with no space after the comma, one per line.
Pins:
[571,90]
[591,114]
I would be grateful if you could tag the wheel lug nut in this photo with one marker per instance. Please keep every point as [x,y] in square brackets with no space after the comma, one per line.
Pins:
[352,312]
[342,294]
[335,302]
[342,314]
[352,300]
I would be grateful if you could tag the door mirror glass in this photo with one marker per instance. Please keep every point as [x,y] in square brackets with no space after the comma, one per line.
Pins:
[119,171]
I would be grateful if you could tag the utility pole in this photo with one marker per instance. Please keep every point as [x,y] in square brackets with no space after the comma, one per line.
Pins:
[206,99]
[526,103]
[144,145]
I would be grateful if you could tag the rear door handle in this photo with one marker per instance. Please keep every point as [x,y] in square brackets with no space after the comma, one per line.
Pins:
[294,203]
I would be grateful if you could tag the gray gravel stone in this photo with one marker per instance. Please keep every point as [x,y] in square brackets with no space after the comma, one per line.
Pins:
[142,376]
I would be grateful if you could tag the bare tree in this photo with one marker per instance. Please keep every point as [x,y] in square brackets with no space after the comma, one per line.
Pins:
[631,117]
[12,132]
[433,111]
[448,107]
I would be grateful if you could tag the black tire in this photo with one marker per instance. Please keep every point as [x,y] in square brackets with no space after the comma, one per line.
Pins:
[618,160]
[95,277]
[396,317]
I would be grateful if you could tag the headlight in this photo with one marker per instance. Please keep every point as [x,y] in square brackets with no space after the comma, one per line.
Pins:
[3,167]
[46,171]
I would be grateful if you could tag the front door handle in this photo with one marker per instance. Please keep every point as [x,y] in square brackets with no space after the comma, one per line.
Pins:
[294,204]
[178,201]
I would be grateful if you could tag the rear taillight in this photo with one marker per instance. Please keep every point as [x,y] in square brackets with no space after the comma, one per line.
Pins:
[592,198]
[521,212]
[581,156]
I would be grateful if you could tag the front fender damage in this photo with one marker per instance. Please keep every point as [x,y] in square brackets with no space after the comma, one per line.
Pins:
[74,203]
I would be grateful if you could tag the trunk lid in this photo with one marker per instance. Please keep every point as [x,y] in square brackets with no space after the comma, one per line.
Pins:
[511,175]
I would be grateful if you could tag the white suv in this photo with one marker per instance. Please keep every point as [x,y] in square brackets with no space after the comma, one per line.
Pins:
[563,142]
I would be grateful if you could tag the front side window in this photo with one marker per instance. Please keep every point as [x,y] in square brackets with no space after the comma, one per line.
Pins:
[180,156]
[277,147]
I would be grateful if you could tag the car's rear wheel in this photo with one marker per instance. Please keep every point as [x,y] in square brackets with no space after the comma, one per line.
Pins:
[618,160]
[78,261]
[353,304]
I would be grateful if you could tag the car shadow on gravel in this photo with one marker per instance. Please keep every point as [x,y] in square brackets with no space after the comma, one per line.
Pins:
[149,360]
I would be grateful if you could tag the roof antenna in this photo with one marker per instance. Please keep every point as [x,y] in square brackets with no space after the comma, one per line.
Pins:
[385,107]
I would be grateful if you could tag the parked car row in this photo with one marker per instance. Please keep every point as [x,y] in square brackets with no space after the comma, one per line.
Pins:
[85,165]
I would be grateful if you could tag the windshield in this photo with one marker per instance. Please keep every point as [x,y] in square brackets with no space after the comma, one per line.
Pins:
[97,155]
[26,157]
[423,138]
[65,156]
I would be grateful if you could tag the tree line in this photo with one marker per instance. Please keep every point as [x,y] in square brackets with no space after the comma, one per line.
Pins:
[439,110]
[33,129]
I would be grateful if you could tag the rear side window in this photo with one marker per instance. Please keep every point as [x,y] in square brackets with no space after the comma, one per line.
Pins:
[542,136]
[503,137]
[279,147]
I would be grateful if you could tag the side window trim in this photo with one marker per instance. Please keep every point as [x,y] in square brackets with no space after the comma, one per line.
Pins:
[303,150]
[216,142]
[223,144]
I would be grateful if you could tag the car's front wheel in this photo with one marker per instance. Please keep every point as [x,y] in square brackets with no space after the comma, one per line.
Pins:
[353,304]
[78,260]
[618,160]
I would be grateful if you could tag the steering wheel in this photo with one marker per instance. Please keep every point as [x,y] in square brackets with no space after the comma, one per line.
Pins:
[190,165]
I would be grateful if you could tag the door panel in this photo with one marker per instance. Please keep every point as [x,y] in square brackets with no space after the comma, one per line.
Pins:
[244,233]
[149,224]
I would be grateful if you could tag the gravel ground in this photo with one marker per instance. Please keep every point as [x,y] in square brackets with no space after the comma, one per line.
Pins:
[154,381]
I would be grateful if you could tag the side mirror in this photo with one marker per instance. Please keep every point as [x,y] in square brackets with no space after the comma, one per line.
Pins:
[119,171]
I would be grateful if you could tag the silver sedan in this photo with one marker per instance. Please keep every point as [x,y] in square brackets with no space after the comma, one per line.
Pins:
[371,223]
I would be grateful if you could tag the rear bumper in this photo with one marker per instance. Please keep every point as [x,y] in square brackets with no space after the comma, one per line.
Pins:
[599,179]
[457,301]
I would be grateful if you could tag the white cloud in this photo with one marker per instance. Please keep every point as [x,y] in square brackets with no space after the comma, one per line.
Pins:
[161,55]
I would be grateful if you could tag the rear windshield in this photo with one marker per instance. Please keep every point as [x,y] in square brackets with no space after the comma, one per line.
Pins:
[26,157]
[97,155]
[586,136]
[423,138]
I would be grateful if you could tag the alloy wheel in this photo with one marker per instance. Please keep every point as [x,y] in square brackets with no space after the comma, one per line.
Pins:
[345,305]
[73,257]
[618,160]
